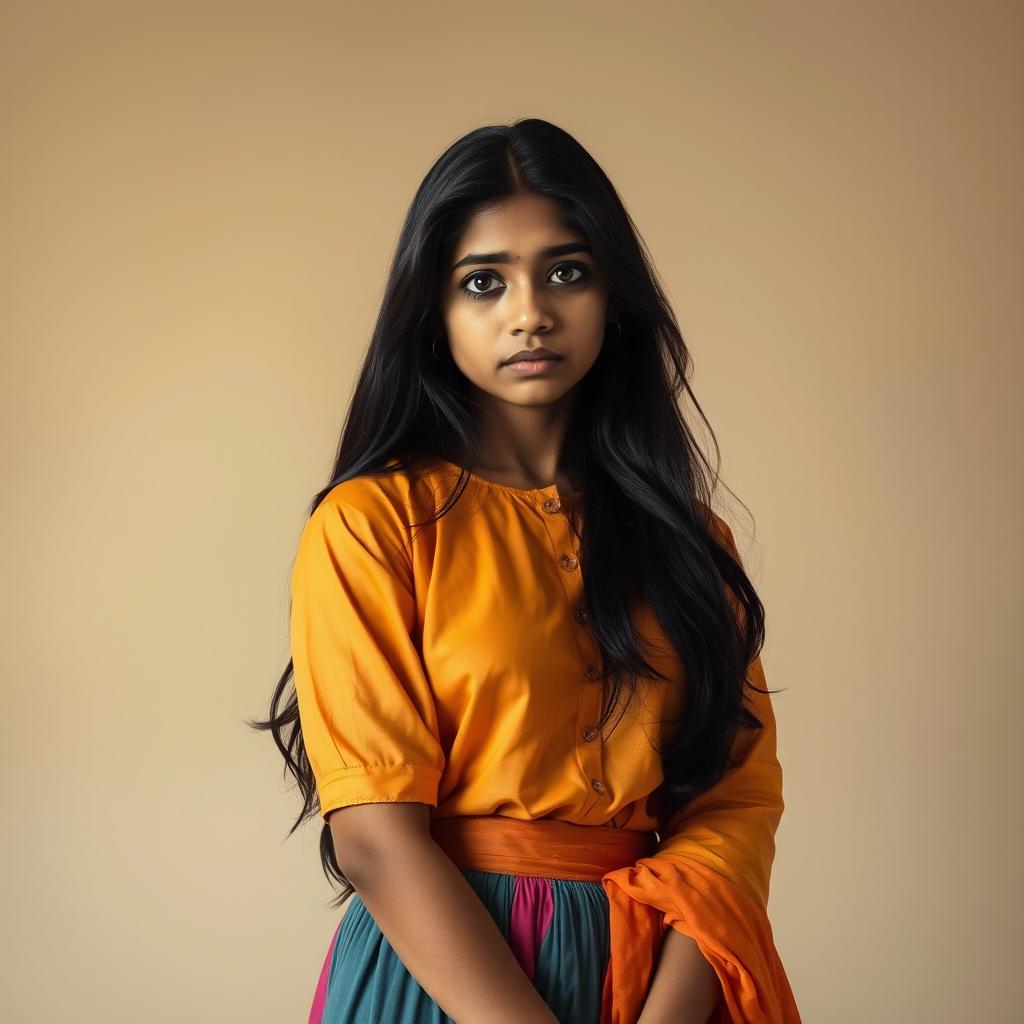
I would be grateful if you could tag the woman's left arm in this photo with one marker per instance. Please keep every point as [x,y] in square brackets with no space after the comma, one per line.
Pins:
[685,988]
[708,880]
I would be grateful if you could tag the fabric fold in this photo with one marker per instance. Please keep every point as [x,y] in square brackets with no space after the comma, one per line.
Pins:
[730,928]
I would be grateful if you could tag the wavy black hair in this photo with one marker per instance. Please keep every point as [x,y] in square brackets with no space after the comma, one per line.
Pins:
[643,474]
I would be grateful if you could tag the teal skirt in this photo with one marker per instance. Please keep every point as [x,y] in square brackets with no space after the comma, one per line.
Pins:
[557,928]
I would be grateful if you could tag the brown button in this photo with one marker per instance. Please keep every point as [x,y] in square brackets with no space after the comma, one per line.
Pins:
[593,672]
[589,733]
[551,505]
[597,785]
[568,562]
[581,616]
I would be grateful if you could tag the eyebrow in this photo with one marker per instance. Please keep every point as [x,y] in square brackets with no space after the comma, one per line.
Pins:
[504,256]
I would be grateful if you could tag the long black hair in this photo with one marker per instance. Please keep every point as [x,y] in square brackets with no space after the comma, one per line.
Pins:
[643,475]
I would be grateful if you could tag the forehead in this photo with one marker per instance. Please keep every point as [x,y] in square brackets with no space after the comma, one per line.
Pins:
[522,224]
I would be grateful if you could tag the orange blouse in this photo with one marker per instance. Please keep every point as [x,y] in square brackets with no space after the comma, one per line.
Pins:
[452,665]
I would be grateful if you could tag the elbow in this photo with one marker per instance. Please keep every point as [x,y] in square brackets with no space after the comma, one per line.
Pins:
[366,837]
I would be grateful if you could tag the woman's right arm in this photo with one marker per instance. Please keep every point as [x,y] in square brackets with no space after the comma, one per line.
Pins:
[432,917]
[370,731]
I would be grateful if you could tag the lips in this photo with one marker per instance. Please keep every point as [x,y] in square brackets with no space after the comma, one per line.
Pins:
[533,355]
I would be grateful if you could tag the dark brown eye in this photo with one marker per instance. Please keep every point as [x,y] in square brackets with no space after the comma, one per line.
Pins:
[476,292]
[480,275]
[570,267]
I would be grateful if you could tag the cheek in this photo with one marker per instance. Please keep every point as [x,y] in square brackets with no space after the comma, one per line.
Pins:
[473,334]
[468,321]
[471,340]
[460,317]
[589,325]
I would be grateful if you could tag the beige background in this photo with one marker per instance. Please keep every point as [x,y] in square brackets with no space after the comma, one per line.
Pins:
[200,201]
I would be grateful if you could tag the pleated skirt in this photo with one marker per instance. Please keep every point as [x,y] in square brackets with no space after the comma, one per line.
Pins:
[557,928]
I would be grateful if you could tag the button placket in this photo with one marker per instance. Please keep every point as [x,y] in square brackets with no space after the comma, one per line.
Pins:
[589,746]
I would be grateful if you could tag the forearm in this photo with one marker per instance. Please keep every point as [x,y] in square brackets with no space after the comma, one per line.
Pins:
[685,988]
[445,936]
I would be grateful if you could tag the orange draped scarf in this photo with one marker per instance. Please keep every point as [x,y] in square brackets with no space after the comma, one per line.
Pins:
[645,894]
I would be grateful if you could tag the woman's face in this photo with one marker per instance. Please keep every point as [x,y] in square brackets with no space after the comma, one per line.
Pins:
[505,292]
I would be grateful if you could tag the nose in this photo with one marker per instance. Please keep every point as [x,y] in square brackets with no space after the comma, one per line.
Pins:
[529,314]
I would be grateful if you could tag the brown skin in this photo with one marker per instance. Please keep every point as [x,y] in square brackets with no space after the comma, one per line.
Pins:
[685,988]
[558,302]
[432,917]
[420,900]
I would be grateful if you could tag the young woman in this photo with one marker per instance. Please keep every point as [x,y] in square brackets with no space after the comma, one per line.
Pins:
[528,699]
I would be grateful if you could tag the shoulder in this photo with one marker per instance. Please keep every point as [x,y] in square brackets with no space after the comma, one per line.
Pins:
[397,496]
[378,511]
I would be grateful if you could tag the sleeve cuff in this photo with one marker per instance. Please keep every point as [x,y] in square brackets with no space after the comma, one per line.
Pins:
[411,783]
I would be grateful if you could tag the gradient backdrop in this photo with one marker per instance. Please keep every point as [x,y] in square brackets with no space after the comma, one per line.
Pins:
[200,201]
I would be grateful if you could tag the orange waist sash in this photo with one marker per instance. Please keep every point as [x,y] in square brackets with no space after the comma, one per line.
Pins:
[560,849]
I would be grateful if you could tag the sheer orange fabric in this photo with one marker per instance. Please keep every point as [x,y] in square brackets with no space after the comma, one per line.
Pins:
[457,669]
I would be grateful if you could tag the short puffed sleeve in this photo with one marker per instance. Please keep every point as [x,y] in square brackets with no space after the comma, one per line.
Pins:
[366,708]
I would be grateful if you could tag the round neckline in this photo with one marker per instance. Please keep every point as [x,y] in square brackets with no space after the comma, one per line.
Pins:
[550,490]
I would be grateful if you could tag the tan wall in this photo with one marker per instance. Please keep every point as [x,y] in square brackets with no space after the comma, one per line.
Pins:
[199,204]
